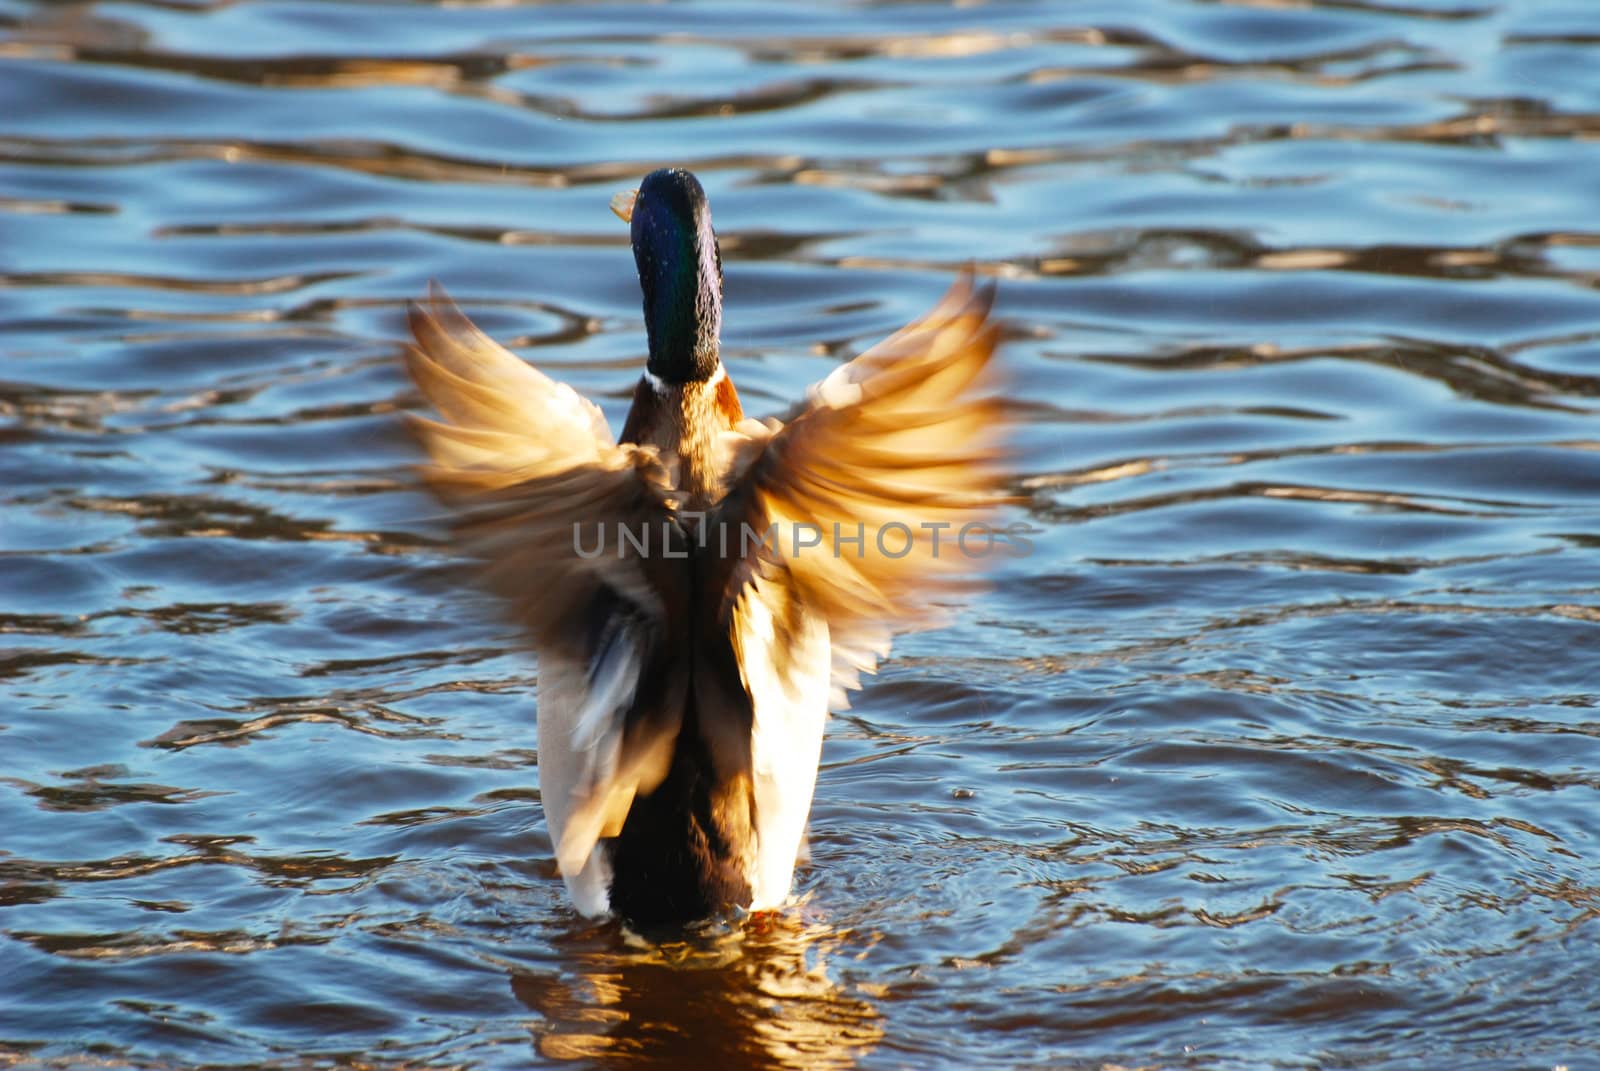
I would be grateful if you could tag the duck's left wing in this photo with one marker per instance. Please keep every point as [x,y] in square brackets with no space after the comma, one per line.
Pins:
[534,477]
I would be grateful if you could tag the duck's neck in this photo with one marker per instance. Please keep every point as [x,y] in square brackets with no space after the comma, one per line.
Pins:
[689,422]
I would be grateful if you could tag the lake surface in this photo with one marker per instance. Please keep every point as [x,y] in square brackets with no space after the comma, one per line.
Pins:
[1281,750]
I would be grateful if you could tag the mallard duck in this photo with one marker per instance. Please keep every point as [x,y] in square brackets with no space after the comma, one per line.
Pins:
[703,589]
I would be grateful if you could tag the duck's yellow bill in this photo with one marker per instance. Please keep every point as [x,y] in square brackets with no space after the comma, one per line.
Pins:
[622,205]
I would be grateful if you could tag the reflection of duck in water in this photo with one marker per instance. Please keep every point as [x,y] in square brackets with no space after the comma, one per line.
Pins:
[753,997]
[699,591]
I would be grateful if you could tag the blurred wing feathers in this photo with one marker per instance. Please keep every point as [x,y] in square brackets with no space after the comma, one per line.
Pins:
[532,470]
[893,453]
[533,474]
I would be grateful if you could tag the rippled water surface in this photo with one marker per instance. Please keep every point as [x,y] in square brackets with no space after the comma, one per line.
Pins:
[1280,750]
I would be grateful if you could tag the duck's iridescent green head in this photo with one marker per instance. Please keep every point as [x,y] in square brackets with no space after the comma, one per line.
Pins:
[680,271]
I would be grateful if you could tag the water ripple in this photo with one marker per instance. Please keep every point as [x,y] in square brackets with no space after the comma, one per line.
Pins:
[1278,748]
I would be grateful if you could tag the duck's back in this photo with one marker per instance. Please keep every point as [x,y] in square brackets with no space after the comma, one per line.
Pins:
[748,701]
[736,697]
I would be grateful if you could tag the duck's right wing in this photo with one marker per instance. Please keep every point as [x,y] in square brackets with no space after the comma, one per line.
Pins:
[537,485]
[870,488]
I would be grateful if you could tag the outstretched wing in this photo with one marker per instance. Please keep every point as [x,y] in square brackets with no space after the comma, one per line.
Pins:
[533,474]
[892,456]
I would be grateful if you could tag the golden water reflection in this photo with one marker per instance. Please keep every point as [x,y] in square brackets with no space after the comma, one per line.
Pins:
[754,996]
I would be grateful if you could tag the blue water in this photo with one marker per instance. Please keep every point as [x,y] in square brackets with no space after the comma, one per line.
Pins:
[1281,749]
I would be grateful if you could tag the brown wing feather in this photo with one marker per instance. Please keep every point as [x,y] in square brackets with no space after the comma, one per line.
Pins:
[526,462]
[904,436]
[530,466]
